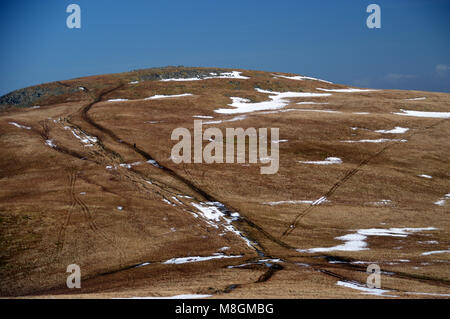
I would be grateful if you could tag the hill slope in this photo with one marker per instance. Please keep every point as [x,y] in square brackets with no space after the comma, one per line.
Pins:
[86,177]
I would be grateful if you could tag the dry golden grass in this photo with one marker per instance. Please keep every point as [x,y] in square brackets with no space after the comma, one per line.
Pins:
[60,206]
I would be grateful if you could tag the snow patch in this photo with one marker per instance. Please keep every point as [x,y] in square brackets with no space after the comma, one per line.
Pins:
[155,97]
[301,78]
[396,130]
[154,163]
[223,75]
[357,241]
[203,117]
[436,115]
[185,260]
[20,126]
[383,202]
[83,137]
[234,119]
[364,289]
[288,202]
[443,200]
[327,161]
[214,215]
[319,201]
[50,143]
[416,99]
[435,252]
[380,140]
[318,111]
[277,100]
[349,90]
[117,100]
[280,141]
[307,103]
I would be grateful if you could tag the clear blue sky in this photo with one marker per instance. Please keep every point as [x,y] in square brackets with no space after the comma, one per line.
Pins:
[325,39]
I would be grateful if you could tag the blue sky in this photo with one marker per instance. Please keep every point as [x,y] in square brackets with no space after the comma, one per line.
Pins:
[325,39]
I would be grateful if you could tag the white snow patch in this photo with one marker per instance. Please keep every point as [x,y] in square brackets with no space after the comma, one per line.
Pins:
[153,122]
[307,103]
[301,78]
[177,200]
[142,265]
[383,202]
[349,90]
[20,126]
[393,232]
[416,99]
[288,202]
[213,215]
[277,100]
[223,75]
[396,130]
[366,290]
[169,202]
[441,115]
[228,75]
[435,252]
[327,161]
[234,119]
[425,176]
[319,201]
[119,207]
[155,97]
[267,262]
[154,163]
[83,137]
[181,79]
[185,260]
[443,200]
[380,140]
[50,143]
[203,117]
[318,111]
[430,242]
[357,241]
[117,100]
[440,202]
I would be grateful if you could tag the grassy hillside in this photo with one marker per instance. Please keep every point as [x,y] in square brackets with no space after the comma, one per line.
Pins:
[86,178]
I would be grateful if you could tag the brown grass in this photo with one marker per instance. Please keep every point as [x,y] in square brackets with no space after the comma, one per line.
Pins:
[47,223]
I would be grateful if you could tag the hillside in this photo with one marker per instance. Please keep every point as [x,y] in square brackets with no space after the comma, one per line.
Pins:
[87,177]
